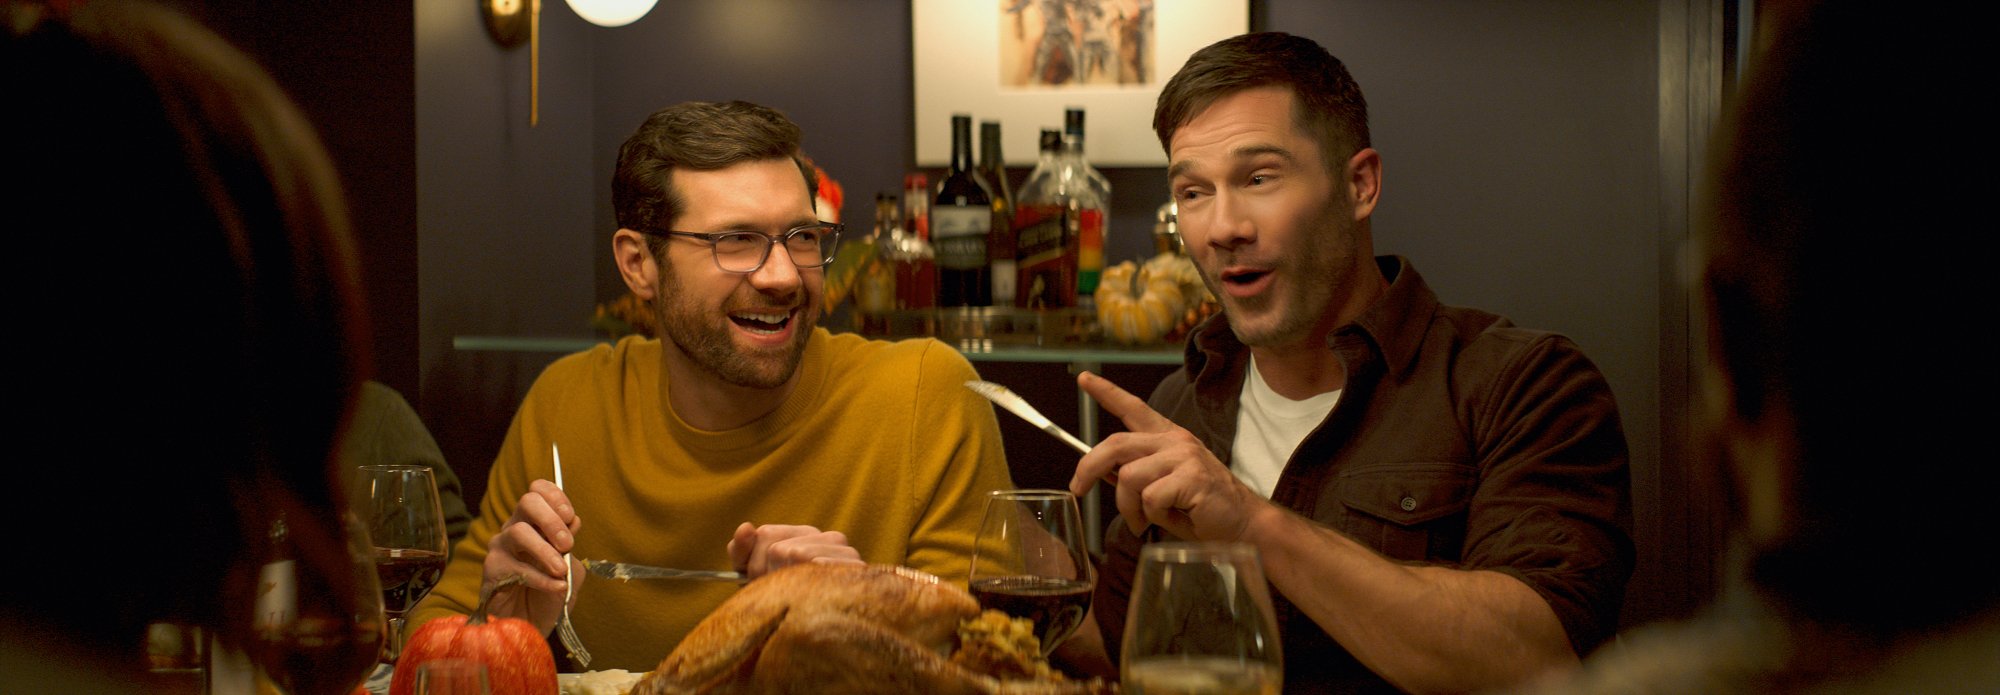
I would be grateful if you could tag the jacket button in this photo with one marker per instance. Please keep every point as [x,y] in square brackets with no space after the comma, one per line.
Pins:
[1409,504]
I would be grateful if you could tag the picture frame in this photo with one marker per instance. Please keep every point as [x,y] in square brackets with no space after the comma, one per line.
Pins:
[963,63]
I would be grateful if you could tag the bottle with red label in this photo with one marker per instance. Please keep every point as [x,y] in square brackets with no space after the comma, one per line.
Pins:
[1056,212]
[916,261]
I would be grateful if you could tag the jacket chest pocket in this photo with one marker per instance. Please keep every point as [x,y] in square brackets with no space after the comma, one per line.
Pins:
[1406,511]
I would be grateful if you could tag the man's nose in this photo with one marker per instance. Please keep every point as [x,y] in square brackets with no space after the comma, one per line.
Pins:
[1230,222]
[779,272]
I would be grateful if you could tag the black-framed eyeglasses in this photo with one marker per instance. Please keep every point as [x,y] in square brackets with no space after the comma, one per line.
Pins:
[810,245]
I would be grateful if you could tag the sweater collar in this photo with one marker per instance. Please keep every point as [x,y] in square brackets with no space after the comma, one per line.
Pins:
[774,426]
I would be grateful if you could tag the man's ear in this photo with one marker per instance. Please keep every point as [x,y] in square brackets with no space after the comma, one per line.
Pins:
[635,263]
[1364,182]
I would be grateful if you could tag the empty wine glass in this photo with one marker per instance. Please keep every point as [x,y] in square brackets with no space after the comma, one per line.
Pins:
[1030,562]
[1201,622]
[406,522]
[452,677]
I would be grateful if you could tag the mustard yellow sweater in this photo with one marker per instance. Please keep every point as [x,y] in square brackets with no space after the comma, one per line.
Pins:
[880,441]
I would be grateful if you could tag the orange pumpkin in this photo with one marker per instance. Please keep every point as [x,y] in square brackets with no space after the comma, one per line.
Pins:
[516,655]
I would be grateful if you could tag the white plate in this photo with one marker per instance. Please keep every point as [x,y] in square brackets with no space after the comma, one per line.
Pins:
[615,681]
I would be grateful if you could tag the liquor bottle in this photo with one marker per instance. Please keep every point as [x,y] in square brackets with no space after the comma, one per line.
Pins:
[1073,127]
[1091,244]
[961,221]
[875,291]
[843,277]
[916,261]
[1000,249]
[1055,210]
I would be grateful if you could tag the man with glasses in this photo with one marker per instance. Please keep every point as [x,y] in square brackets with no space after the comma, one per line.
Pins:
[732,440]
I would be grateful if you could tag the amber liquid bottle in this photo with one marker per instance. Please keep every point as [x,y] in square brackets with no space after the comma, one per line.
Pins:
[875,291]
[916,261]
[1055,211]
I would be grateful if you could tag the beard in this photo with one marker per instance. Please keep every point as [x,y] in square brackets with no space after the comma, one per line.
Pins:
[707,336]
[1307,280]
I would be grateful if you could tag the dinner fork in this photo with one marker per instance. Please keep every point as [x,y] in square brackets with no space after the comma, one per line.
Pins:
[563,628]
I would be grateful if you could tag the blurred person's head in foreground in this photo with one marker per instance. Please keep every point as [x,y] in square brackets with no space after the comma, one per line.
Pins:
[1853,405]
[199,347]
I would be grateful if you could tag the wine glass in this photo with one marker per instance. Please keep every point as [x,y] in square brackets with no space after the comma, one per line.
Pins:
[452,677]
[1030,562]
[1200,621]
[319,624]
[406,523]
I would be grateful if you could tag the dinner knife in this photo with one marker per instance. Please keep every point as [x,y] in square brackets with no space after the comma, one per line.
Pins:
[626,571]
[1014,403]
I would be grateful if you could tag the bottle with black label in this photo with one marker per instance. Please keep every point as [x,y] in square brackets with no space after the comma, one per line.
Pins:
[961,222]
[1056,210]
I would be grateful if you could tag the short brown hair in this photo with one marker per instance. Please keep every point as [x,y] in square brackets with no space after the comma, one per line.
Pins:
[700,136]
[1329,103]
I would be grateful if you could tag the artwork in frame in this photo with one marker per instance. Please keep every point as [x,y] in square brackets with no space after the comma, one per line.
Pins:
[1023,62]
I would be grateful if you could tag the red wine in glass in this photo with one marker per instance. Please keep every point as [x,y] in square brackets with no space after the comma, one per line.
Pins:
[321,656]
[1055,606]
[406,522]
[407,576]
[1029,562]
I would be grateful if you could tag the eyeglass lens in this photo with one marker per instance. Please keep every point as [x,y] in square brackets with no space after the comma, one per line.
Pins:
[810,247]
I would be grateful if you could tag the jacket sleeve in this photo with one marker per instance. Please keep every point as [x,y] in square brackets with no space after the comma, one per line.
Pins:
[1553,502]
[457,593]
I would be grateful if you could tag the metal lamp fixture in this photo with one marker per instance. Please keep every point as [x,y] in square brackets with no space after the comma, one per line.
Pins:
[611,13]
[511,21]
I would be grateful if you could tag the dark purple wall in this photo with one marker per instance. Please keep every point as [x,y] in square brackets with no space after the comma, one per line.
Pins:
[1521,140]
[352,72]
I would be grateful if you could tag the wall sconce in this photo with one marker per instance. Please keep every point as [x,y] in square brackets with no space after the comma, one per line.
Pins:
[511,21]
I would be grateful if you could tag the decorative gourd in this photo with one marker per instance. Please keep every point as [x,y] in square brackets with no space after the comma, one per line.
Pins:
[517,657]
[1141,304]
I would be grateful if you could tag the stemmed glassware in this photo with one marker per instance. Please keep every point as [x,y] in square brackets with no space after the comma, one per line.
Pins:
[400,506]
[452,677]
[311,640]
[1030,562]
[1201,622]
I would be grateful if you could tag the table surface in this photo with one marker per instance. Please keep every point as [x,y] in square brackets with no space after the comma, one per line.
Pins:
[977,351]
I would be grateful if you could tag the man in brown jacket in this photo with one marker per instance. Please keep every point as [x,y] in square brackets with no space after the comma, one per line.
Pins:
[1440,498]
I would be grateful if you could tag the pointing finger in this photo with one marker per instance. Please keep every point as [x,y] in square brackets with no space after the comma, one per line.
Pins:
[1136,415]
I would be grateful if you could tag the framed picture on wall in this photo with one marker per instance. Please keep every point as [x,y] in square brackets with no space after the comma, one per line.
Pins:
[1023,62]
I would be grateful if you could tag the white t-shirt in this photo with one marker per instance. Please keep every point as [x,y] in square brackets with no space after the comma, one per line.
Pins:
[1269,428]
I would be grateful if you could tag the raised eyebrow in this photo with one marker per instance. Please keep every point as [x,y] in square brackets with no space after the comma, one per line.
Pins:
[1239,155]
[1254,151]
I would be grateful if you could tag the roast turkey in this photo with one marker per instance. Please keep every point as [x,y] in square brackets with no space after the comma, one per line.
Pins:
[847,628]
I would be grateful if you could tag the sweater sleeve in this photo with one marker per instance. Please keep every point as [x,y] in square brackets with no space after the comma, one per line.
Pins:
[961,443]
[457,593]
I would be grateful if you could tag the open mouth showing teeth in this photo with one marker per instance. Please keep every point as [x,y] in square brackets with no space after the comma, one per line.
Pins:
[764,324]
